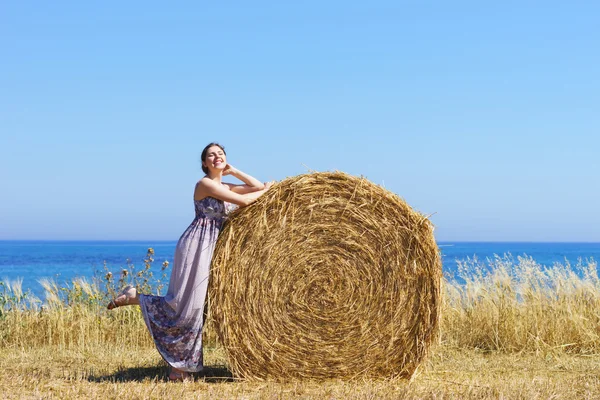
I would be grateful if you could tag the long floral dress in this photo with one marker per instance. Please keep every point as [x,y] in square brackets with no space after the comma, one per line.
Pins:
[175,321]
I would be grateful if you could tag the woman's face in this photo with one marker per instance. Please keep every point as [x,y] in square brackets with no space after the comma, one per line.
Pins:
[215,158]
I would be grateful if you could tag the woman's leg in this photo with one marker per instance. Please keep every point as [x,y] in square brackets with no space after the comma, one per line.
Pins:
[128,297]
[178,375]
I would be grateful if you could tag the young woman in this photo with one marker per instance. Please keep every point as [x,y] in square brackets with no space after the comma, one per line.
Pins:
[175,321]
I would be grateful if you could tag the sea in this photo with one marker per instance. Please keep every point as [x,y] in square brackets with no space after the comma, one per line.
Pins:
[62,261]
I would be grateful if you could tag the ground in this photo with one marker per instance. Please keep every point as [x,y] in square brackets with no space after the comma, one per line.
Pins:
[448,373]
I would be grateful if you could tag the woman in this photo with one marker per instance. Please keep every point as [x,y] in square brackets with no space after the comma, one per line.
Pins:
[175,321]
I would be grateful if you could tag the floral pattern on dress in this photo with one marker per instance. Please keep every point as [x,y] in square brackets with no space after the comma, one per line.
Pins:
[210,208]
[180,340]
[175,321]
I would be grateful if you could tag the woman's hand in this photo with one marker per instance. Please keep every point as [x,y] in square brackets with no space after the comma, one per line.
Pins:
[230,170]
[268,185]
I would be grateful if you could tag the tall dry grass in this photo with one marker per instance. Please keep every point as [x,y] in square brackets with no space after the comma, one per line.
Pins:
[69,346]
[75,316]
[519,305]
[503,305]
[81,322]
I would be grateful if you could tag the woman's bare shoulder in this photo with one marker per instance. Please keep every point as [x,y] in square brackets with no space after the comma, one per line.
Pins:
[207,187]
[204,181]
[208,183]
[201,187]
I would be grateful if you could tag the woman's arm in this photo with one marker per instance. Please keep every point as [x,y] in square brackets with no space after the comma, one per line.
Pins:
[208,188]
[251,184]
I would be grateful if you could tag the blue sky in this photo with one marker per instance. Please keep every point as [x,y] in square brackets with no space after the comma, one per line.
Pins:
[484,114]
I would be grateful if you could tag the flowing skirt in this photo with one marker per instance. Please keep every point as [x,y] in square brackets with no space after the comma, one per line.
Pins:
[175,321]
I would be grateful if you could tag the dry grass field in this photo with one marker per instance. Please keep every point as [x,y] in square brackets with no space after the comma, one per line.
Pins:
[513,329]
[120,373]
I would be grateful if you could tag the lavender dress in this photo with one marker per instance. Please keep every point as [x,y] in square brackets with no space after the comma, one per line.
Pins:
[175,320]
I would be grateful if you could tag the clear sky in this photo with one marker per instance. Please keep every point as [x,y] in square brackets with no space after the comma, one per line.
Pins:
[484,113]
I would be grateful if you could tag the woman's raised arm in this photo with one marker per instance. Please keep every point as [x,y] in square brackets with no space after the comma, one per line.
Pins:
[208,188]
[251,184]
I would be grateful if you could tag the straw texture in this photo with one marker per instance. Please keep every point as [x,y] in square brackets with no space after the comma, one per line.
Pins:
[326,275]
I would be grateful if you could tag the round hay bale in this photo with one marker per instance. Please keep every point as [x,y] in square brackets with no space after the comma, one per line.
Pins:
[326,275]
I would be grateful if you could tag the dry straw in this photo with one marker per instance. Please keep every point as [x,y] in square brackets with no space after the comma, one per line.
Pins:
[326,275]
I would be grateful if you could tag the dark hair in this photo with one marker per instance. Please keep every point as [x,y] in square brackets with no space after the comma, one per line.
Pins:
[203,156]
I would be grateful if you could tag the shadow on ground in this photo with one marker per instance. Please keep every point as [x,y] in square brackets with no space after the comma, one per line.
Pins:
[211,374]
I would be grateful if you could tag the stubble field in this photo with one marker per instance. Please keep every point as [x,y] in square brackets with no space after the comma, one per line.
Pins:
[514,330]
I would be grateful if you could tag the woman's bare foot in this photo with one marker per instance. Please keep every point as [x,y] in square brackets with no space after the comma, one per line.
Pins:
[127,297]
[177,375]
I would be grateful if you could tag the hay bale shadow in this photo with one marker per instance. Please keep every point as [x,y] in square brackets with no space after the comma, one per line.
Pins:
[210,374]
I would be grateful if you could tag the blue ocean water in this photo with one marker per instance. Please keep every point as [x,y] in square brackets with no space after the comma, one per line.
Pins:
[64,260]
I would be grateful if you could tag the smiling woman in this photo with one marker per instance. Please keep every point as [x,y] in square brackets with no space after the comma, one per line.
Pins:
[217,155]
[175,321]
